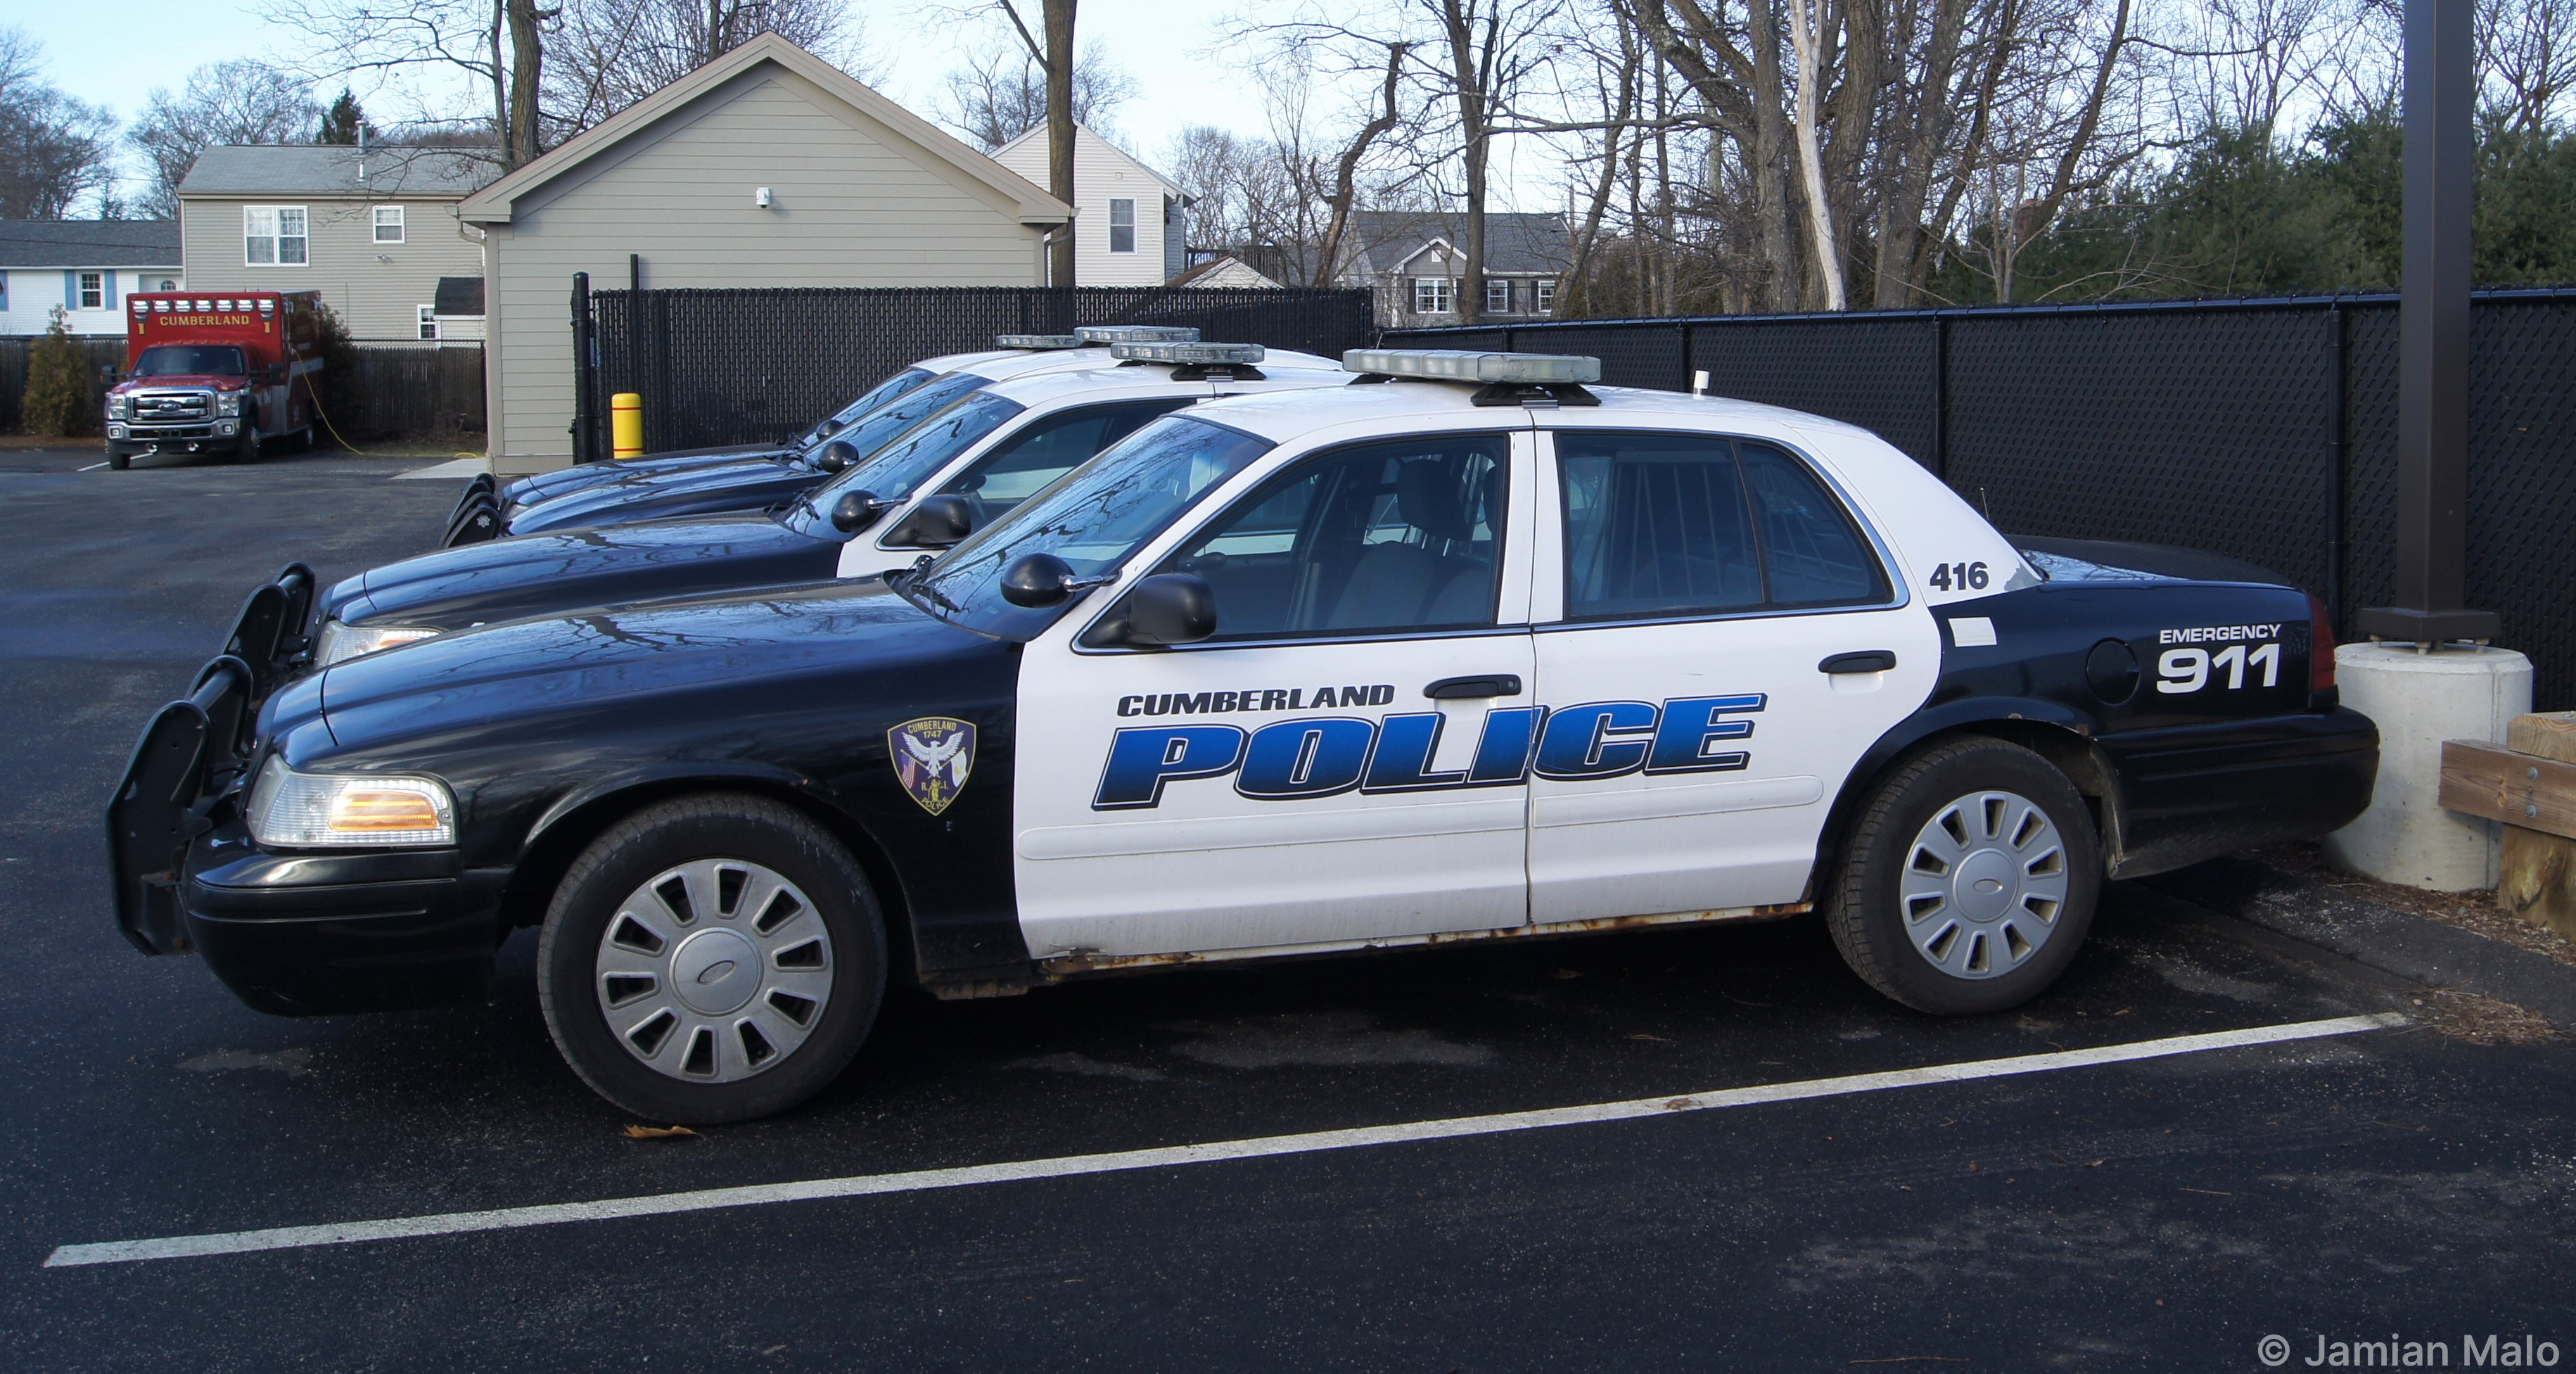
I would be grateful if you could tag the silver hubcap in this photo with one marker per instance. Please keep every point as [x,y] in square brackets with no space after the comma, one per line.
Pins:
[1985,881]
[714,971]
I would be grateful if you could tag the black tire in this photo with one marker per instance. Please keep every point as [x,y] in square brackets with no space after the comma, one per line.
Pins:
[717,826]
[249,449]
[119,462]
[1924,950]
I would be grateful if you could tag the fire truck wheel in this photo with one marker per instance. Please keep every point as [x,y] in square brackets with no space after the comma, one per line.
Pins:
[120,461]
[249,450]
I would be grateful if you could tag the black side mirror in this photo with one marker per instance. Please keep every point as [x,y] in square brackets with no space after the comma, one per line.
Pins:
[836,455]
[856,510]
[1037,579]
[827,429]
[1171,608]
[939,522]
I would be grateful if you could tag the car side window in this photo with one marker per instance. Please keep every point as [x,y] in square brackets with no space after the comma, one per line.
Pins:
[1379,538]
[1022,465]
[1681,524]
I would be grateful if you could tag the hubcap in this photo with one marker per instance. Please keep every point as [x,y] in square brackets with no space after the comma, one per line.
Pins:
[1985,881]
[714,971]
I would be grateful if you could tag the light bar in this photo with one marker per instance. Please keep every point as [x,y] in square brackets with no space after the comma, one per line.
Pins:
[1137,333]
[1188,354]
[1038,341]
[1463,365]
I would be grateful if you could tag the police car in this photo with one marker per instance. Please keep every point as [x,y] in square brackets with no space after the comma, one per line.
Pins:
[1466,649]
[953,473]
[484,508]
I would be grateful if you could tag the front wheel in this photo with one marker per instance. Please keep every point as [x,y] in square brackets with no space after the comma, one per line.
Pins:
[119,462]
[1968,881]
[709,959]
[250,447]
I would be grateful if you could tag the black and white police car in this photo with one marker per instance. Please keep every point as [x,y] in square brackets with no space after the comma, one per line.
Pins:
[484,508]
[1465,649]
[951,474]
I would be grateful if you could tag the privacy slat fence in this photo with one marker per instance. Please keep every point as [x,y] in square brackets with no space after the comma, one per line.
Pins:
[405,390]
[2262,429]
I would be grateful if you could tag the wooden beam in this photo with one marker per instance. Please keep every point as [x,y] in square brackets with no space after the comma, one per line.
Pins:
[2550,735]
[2482,779]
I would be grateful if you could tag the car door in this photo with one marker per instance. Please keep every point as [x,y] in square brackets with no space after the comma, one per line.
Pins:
[1701,602]
[1341,763]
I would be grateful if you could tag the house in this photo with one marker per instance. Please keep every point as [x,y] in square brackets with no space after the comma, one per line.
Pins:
[1413,262]
[85,268]
[767,167]
[372,229]
[1127,227]
[1225,272]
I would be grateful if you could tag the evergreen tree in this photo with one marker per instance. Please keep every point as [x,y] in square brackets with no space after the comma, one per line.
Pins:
[341,123]
[56,401]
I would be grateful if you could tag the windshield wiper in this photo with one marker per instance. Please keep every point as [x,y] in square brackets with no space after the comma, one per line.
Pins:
[908,581]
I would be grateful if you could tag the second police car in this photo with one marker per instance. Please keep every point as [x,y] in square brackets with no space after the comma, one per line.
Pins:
[1463,650]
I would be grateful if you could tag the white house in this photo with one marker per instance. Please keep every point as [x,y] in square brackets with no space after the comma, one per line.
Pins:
[85,268]
[1127,216]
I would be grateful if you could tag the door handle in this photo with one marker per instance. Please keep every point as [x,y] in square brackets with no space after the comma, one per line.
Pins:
[1482,685]
[1864,661]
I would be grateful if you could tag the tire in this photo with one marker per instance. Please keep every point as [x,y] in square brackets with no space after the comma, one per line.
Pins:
[1910,906]
[701,1067]
[120,462]
[249,449]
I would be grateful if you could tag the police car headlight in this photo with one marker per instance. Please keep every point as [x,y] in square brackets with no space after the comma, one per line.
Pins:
[310,810]
[228,403]
[338,643]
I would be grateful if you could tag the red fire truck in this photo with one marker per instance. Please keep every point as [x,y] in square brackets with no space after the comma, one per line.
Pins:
[225,373]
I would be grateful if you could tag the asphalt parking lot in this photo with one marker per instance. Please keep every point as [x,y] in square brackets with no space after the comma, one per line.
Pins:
[2132,1209]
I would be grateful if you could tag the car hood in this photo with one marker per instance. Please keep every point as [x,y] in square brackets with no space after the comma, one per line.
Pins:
[568,570]
[527,491]
[741,484]
[603,664]
[185,379]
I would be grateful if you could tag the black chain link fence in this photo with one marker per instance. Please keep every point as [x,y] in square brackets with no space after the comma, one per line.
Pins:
[2262,429]
[760,366]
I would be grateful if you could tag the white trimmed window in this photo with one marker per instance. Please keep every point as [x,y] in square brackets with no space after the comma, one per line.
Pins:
[1498,295]
[93,290]
[389,224]
[1542,297]
[274,236]
[429,322]
[1431,296]
[1122,225]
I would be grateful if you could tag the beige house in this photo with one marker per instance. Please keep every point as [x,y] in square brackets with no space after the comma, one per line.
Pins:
[374,230]
[1128,227]
[767,167]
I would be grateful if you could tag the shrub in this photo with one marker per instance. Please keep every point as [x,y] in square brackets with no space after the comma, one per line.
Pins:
[343,392]
[57,401]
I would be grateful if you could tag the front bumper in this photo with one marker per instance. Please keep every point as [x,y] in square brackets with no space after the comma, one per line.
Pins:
[131,437]
[2196,792]
[316,934]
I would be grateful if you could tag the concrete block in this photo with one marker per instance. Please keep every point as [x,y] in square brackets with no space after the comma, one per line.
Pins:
[2420,700]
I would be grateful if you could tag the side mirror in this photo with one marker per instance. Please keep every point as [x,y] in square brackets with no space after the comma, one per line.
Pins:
[827,429]
[1037,579]
[856,510]
[939,522]
[1171,608]
[836,455]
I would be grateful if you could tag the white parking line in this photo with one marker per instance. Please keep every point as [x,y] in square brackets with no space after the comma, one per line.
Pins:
[459,467]
[923,1180]
[91,468]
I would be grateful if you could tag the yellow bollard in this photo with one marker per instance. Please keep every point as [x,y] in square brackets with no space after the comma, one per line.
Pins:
[626,425]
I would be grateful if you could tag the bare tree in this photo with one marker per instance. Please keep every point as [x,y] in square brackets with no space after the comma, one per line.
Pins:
[239,100]
[610,54]
[2527,52]
[1000,94]
[54,149]
[1808,35]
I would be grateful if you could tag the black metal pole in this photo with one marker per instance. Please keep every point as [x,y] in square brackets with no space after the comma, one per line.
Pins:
[585,360]
[1941,397]
[2433,337]
[2338,455]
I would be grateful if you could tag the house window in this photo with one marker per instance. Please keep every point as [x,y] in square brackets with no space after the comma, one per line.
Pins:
[1122,226]
[93,291]
[274,236]
[1431,295]
[4,291]
[389,224]
[1498,295]
[429,322]
[1542,297]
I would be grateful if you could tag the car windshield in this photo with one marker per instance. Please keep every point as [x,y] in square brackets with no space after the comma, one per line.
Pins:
[900,467]
[1093,518]
[874,429]
[191,360]
[900,384]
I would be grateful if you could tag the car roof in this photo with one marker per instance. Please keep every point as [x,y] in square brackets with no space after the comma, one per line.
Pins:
[1116,379]
[999,364]
[1404,405]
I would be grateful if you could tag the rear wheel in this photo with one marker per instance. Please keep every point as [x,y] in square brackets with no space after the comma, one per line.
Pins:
[1968,881]
[709,959]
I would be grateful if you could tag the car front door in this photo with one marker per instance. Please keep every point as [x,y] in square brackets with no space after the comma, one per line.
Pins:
[1341,763]
[1719,641]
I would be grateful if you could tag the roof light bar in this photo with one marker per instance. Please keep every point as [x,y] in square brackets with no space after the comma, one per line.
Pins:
[1463,365]
[1037,341]
[1188,354]
[1137,333]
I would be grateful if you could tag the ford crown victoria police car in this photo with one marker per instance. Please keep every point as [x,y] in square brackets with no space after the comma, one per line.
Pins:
[1406,662]
[482,511]
[946,477]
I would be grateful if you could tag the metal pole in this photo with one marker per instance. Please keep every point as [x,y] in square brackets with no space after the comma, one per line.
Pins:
[2338,454]
[585,359]
[2433,338]
[1941,397]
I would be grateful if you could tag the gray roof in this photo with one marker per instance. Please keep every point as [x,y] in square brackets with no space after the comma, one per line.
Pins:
[332,170]
[1514,242]
[89,243]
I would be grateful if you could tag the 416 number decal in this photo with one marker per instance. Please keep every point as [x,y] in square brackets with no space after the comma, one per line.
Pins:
[1966,577]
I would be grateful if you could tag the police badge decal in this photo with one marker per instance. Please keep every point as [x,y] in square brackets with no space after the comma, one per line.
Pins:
[932,756]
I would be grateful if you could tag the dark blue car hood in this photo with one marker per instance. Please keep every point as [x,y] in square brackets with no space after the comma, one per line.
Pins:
[738,485]
[545,486]
[550,574]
